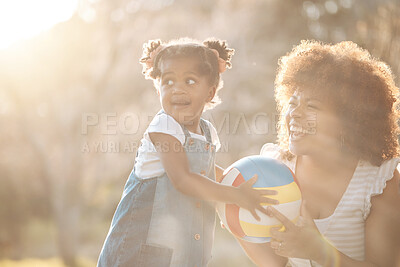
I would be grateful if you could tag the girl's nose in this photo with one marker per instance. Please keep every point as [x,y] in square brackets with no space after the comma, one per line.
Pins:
[178,88]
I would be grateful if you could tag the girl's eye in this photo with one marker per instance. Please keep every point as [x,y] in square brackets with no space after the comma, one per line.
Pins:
[190,81]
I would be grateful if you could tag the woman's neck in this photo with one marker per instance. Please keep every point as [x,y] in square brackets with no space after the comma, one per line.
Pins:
[328,162]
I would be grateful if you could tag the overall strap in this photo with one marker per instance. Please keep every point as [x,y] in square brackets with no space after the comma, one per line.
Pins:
[185,131]
[206,130]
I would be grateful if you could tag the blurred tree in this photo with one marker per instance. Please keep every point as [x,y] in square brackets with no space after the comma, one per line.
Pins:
[379,32]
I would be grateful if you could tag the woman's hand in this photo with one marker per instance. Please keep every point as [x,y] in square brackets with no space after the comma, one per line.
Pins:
[300,240]
[251,199]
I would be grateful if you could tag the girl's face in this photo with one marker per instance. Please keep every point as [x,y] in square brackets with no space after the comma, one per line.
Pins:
[313,125]
[184,91]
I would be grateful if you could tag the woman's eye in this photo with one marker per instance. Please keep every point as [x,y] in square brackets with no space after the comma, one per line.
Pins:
[168,82]
[190,81]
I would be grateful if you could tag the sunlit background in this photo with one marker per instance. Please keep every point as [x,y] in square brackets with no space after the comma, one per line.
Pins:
[23,19]
[74,104]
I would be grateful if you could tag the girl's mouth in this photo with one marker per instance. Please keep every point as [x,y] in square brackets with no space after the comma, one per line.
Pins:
[180,104]
[180,101]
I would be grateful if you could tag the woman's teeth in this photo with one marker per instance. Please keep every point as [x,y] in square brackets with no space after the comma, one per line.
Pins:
[297,132]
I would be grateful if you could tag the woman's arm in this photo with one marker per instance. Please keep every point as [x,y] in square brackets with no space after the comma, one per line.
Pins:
[262,254]
[176,165]
[382,228]
[382,234]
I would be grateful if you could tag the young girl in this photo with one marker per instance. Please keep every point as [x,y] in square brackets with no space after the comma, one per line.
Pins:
[162,218]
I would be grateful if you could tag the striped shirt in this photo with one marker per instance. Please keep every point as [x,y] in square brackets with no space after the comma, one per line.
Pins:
[345,227]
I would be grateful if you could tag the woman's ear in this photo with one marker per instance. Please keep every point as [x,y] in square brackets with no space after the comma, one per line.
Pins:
[211,93]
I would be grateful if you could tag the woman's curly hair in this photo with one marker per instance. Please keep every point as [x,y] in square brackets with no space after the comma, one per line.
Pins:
[359,87]
[155,51]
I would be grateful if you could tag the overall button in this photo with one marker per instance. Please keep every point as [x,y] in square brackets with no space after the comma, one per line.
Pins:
[198,204]
[191,142]
[212,148]
[207,146]
[203,172]
[197,236]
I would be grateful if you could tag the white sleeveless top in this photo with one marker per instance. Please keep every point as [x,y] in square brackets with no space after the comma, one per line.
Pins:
[148,162]
[345,227]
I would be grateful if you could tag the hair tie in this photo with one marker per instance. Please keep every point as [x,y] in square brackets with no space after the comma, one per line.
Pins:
[221,62]
[150,61]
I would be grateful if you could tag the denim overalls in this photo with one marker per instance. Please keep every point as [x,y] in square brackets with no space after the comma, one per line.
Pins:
[156,225]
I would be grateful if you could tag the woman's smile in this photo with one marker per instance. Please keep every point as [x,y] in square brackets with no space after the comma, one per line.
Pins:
[296,132]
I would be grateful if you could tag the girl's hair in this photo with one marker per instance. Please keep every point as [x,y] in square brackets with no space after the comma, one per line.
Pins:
[154,52]
[360,88]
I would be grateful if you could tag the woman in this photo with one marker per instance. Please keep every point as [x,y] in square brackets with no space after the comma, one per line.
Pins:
[338,133]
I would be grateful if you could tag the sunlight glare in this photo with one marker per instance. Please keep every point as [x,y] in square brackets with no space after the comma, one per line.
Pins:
[22,19]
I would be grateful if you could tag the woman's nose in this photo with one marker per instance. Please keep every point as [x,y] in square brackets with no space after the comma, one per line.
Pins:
[295,111]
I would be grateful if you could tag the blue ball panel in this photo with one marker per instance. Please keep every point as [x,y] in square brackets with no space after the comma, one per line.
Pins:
[270,171]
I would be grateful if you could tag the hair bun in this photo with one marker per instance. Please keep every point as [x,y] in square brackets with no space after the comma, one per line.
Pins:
[222,48]
[150,51]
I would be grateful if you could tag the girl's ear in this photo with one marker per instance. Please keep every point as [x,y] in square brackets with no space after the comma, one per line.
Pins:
[211,93]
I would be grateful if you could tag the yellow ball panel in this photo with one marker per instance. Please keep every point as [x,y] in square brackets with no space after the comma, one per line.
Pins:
[286,193]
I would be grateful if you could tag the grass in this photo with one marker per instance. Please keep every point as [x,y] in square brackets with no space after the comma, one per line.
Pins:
[52,262]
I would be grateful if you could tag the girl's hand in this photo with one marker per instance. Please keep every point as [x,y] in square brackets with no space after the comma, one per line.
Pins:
[251,199]
[300,240]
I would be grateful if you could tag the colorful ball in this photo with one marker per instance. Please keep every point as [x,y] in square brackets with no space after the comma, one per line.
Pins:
[273,175]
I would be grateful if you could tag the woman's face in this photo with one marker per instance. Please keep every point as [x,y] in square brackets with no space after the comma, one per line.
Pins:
[312,124]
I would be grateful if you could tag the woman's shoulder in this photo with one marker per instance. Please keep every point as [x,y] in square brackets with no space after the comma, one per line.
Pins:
[270,150]
[380,179]
[275,151]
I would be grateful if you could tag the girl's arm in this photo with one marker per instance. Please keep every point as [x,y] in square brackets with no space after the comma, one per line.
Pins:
[218,173]
[260,254]
[176,165]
